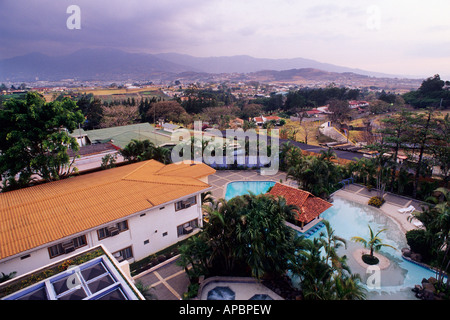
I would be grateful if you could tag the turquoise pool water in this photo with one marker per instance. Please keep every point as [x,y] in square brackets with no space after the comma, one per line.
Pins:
[239,188]
[350,219]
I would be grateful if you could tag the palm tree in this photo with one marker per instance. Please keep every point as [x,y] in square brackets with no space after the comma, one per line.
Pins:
[138,150]
[249,125]
[293,155]
[366,170]
[324,275]
[247,234]
[315,275]
[349,288]
[221,231]
[5,277]
[373,243]
[331,243]
[196,253]
[207,198]
[146,291]
[162,154]
[327,155]
[436,221]
[383,164]
[263,238]
[317,175]
[285,147]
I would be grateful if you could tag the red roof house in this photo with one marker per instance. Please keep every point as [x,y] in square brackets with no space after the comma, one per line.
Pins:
[263,119]
[310,206]
[269,118]
[313,112]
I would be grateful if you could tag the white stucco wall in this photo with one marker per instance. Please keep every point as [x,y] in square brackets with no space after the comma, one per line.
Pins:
[149,225]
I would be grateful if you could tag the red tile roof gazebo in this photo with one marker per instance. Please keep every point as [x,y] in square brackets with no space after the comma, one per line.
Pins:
[310,206]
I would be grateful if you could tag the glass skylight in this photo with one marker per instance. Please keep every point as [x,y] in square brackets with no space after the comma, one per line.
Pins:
[96,279]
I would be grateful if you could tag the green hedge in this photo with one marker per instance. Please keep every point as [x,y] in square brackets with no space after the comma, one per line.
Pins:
[417,241]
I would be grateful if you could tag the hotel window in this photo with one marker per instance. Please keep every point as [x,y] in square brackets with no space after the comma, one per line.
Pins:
[112,230]
[187,227]
[66,246]
[183,204]
[123,254]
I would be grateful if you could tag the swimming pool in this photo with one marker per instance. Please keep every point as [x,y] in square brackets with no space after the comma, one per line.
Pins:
[238,188]
[349,219]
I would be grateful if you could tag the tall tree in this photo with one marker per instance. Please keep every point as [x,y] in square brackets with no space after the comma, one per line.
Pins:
[383,164]
[440,147]
[433,92]
[119,115]
[169,111]
[395,136]
[315,174]
[92,110]
[34,139]
[422,133]
[340,111]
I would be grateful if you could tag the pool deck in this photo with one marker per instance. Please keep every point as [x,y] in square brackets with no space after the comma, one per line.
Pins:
[360,194]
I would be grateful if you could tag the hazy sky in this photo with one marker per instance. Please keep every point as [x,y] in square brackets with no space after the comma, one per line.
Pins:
[391,36]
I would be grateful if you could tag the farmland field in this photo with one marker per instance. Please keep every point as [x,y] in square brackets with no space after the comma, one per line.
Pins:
[109,95]
[107,92]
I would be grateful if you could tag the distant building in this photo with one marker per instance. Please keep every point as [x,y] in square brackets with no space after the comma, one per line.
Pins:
[354,104]
[314,113]
[81,136]
[236,123]
[323,109]
[169,127]
[261,120]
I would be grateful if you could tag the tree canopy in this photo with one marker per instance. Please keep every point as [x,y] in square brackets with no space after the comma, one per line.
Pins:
[34,139]
[247,236]
[434,92]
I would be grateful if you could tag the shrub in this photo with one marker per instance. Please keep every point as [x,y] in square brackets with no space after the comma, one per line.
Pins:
[376,202]
[417,241]
[192,291]
[368,259]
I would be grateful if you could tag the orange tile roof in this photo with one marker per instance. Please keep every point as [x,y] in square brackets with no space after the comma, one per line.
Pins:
[34,216]
[310,206]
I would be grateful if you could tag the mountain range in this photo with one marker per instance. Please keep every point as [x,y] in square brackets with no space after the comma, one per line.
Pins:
[112,64]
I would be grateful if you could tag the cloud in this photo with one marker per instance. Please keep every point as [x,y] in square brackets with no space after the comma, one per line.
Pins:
[325,30]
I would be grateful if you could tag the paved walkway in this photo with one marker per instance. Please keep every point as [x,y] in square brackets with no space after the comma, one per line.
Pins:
[167,280]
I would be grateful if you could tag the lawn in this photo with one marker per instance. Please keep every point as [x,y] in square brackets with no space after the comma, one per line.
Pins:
[107,92]
[311,127]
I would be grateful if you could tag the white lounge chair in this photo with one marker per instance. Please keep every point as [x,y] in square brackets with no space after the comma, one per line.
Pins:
[418,224]
[409,209]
